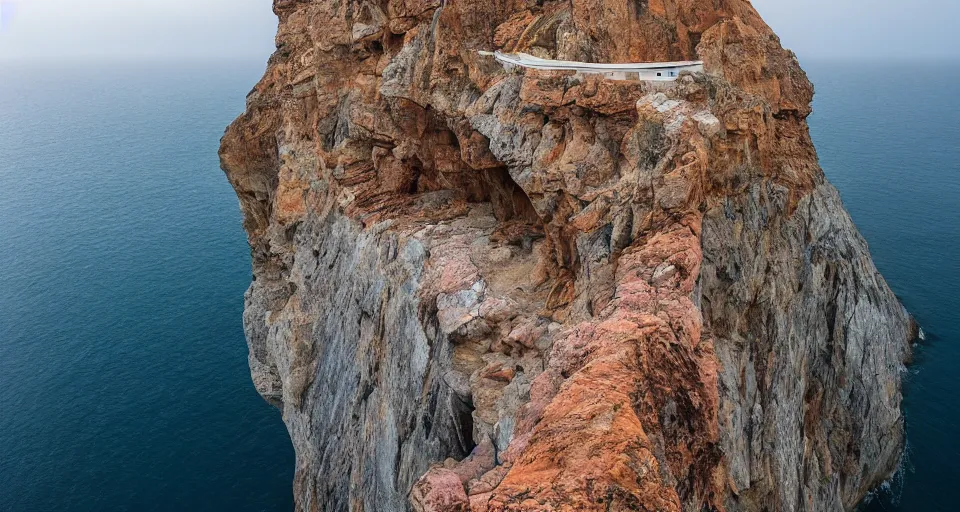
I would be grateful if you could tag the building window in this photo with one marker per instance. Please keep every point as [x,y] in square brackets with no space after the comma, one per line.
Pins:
[659,74]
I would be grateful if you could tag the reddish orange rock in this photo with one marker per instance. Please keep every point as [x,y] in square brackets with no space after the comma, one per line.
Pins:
[439,491]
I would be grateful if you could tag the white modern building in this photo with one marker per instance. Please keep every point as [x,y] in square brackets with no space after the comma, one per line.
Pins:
[655,71]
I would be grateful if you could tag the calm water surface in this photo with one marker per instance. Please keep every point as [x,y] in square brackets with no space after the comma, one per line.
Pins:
[892,147]
[123,371]
[123,377]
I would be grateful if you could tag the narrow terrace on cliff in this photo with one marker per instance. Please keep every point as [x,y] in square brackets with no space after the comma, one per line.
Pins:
[656,71]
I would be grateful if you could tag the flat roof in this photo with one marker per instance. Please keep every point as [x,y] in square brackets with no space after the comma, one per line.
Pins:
[529,61]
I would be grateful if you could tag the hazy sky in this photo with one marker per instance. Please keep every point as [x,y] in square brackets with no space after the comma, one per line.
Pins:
[867,29]
[815,29]
[153,28]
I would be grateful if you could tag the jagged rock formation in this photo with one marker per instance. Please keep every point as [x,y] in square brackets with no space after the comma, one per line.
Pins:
[480,290]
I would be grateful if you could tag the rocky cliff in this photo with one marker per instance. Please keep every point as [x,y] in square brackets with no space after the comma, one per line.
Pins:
[482,290]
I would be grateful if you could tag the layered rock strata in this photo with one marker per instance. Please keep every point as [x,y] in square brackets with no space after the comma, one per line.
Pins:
[481,290]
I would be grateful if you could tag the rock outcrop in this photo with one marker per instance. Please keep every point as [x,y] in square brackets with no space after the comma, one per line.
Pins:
[482,290]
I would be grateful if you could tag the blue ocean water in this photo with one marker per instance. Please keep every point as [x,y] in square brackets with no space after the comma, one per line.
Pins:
[123,377]
[123,372]
[892,148]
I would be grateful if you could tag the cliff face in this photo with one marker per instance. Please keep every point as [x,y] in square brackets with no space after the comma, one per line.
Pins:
[477,290]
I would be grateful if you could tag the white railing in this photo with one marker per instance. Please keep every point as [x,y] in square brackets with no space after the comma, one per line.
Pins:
[662,71]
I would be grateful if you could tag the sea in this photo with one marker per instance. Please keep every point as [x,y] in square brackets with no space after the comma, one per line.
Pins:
[890,142]
[123,368]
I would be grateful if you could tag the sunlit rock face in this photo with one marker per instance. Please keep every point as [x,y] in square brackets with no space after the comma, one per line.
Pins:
[482,290]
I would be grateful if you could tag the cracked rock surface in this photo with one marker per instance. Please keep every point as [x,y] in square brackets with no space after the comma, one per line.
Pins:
[488,290]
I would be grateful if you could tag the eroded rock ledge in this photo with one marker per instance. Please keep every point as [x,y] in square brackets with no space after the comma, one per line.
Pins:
[479,291]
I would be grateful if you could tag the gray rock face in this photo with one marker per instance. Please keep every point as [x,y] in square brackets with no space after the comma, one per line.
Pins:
[356,365]
[811,343]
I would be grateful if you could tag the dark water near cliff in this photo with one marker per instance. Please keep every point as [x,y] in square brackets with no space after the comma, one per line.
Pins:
[891,144]
[123,371]
[123,378]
